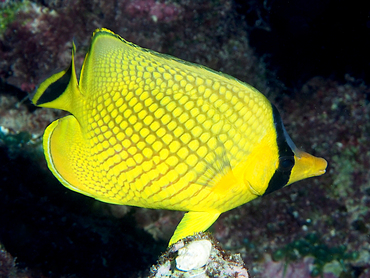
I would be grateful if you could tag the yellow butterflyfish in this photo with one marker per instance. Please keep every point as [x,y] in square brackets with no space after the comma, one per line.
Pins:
[153,131]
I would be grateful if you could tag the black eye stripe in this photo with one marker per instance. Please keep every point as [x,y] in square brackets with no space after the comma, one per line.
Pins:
[286,156]
[286,163]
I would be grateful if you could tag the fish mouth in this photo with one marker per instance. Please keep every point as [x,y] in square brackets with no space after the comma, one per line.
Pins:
[321,172]
[321,165]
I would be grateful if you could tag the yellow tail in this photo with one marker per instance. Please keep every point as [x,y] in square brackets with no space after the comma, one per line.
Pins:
[59,90]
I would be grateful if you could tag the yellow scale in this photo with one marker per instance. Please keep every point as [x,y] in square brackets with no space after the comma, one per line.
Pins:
[153,131]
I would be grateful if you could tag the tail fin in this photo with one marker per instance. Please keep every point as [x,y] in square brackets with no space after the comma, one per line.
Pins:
[58,90]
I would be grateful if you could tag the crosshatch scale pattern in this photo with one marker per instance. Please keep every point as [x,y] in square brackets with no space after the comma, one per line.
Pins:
[161,131]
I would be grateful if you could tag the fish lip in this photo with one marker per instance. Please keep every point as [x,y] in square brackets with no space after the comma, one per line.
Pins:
[323,166]
[321,172]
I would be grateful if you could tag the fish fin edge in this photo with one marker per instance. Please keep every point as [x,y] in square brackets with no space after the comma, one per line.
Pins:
[58,153]
[193,222]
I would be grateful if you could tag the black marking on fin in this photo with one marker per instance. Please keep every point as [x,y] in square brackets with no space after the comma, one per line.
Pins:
[286,156]
[56,89]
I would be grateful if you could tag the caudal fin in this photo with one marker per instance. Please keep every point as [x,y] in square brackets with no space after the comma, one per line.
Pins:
[58,90]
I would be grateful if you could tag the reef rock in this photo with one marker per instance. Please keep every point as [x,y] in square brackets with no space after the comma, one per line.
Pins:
[198,256]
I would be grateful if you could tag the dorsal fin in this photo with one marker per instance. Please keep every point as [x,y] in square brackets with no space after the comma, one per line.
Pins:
[103,45]
[58,90]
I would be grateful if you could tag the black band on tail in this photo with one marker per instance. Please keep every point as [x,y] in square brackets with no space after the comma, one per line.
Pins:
[56,89]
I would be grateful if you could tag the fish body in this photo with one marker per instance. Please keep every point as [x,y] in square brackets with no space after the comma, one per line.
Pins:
[153,131]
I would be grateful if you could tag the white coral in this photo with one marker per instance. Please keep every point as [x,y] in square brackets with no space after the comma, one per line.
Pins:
[194,255]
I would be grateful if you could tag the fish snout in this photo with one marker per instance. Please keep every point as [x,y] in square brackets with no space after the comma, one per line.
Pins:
[307,166]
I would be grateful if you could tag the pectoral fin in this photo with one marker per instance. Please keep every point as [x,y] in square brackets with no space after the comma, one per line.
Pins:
[193,222]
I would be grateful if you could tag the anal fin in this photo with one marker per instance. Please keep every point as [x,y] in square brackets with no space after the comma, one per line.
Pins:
[63,148]
[193,222]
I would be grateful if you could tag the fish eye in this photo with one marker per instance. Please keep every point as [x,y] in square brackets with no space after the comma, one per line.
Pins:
[286,163]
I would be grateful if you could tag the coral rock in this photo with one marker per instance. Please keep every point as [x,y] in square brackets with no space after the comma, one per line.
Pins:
[194,255]
[199,256]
